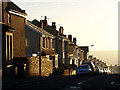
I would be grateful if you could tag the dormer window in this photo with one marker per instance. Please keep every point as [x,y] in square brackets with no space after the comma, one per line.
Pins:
[9,18]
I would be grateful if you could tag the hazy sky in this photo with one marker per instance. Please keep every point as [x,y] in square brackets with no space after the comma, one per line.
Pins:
[92,22]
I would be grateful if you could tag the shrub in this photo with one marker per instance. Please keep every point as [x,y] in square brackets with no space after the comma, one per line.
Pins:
[62,67]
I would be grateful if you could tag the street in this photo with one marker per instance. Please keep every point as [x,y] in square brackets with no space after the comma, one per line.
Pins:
[99,82]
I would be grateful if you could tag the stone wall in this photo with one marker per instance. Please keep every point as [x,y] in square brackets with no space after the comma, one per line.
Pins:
[36,68]
[46,66]
[70,72]
[33,66]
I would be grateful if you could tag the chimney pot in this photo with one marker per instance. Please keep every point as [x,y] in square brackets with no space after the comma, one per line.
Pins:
[74,40]
[64,35]
[45,17]
[54,25]
[41,24]
[61,30]
[70,37]
[23,11]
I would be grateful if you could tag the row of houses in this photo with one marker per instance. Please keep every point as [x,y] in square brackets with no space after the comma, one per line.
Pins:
[97,62]
[34,46]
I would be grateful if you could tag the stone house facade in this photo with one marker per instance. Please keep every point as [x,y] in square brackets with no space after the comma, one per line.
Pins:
[44,46]
[76,53]
[86,50]
[13,35]
[80,55]
[63,47]
[71,48]
[60,41]
[40,42]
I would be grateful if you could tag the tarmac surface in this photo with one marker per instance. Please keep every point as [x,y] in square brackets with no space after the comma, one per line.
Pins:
[84,82]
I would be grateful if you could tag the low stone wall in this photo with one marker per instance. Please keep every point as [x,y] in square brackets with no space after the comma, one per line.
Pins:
[46,66]
[36,68]
[33,66]
[70,72]
[67,72]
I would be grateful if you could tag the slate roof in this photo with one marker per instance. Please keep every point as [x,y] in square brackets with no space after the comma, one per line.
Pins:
[85,48]
[51,30]
[38,29]
[13,6]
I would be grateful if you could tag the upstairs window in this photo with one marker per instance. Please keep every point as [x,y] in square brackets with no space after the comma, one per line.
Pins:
[43,42]
[9,47]
[49,42]
[9,18]
[53,43]
[26,43]
[46,42]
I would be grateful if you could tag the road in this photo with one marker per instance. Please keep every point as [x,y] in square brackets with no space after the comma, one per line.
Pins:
[96,82]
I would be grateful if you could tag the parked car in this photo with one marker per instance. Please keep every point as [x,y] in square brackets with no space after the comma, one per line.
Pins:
[108,71]
[92,66]
[83,69]
[101,71]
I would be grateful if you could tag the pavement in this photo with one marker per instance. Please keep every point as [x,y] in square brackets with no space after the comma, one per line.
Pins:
[85,82]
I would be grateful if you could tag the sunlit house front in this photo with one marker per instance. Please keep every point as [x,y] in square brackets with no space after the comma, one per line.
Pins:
[13,36]
[40,42]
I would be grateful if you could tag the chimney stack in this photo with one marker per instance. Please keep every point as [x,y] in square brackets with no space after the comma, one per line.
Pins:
[70,37]
[45,18]
[64,35]
[54,25]
[74,40]
[23,11]
[61,30]
[43,22]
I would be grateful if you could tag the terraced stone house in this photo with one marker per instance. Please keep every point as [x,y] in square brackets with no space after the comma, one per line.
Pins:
[13,35]
[40,42]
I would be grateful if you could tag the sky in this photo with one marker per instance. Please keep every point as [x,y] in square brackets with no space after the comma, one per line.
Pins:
[92,22]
